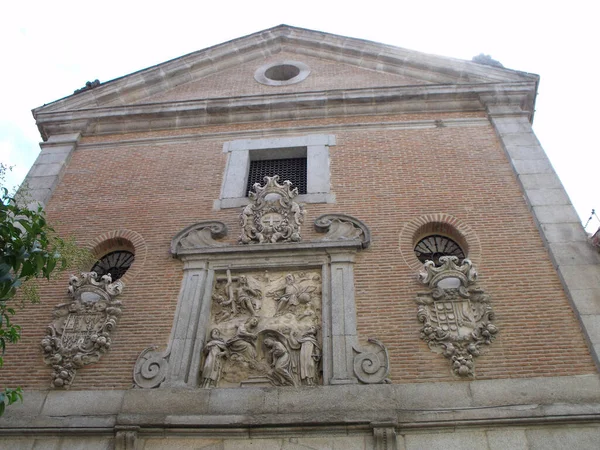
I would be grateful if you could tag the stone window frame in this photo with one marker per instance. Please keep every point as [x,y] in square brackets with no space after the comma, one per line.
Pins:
[314,147]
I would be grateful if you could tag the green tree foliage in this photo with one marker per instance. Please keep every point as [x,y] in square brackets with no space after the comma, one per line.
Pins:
[29,250]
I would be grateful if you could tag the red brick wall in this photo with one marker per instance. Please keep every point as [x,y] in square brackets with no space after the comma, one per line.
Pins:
[386,178]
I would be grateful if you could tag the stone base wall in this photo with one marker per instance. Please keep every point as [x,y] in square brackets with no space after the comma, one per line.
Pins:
[559,412]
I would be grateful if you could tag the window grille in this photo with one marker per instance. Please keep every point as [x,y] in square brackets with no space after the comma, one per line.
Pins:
[115,263]
[293,169]
[431,248]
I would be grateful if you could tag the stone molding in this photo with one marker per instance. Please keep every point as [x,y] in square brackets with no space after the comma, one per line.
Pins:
[416,407]
[282,132]
[576,262]
[319,104]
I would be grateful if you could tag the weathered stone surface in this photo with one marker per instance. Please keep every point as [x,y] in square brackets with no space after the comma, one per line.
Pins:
[542,197]
[83,403]
[506,438]
[587,301]
[446,441]
[564,232]
[560,438]
[579,389]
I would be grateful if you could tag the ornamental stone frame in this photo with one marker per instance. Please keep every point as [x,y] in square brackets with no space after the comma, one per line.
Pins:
[315,147]
[344,362]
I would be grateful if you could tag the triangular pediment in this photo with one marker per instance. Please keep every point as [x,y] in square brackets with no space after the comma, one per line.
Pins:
[336,63]
[240,80]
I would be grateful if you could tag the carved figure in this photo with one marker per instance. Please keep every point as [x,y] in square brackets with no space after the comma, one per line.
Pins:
[279,360]
[247,297]
[244,341]
[310,354]
[215,350]
[293,295]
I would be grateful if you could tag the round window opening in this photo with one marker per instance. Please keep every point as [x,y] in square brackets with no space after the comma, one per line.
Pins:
[432,247]
[114,263]
[282,72]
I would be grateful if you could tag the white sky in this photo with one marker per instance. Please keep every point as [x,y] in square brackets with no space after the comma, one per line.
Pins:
[51,48]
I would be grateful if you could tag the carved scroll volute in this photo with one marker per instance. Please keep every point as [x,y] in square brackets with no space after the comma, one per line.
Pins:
[273,215]
[341,227]
[372,363]
[198,235]
[456,315]
[80,332]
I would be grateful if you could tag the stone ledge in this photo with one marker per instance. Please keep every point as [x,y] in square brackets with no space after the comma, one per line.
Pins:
[535,400]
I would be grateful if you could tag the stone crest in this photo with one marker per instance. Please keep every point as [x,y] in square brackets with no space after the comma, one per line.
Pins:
[273,215]
[264,330]
[80,332]
[456,315]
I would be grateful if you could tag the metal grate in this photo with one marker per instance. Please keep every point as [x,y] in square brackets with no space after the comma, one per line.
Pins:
[293,169]
[432,247]
[115,263]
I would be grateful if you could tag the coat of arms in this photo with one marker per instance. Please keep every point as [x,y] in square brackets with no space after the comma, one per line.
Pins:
[273,216]
[456,315]
[81,329]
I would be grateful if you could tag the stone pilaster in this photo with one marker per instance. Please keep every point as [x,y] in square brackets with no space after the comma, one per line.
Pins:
[577,264]
[189,327]
[48,169]
[343,317]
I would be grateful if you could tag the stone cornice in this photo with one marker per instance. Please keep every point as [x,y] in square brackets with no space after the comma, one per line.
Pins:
[370,55]
[306,105]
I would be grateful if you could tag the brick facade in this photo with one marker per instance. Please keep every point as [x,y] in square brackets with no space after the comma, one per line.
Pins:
[405,163]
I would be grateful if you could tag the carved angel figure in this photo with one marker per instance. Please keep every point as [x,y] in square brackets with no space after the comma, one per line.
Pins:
[215,350]
[293,294]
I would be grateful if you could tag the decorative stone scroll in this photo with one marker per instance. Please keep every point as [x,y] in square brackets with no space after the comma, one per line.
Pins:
[456,315]
[80,332]
[199,235]
[343,227]
[272,216]
[372,364]
[264,330]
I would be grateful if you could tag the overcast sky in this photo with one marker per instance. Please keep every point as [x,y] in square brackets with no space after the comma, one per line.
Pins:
[52,48]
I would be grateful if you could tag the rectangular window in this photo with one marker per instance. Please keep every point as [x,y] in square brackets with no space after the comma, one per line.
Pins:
[303,160]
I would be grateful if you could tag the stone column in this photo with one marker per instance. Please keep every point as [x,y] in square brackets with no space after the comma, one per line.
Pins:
[189,327]
[576,262]
[48,168]
[343,317]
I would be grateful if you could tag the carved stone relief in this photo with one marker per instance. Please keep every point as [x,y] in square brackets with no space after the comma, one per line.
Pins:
[80,332]
[341,227]
[264,330]
[272,216]
[456,315]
